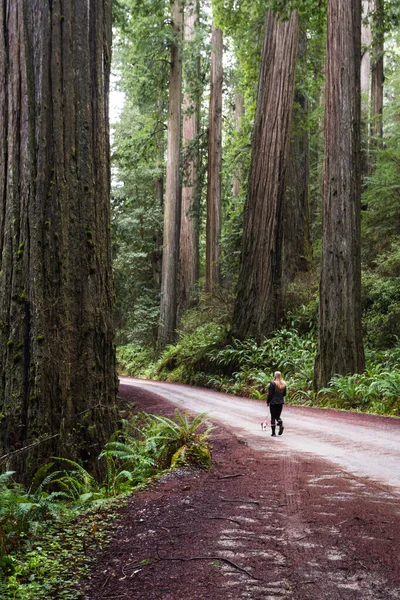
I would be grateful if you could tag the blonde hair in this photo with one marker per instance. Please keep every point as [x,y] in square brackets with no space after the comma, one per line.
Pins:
[279,381]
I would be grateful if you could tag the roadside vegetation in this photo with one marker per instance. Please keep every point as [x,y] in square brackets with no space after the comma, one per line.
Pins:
[205,355]
[50,529]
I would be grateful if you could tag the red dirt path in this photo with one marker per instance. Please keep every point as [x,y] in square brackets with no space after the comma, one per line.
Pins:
[259,526]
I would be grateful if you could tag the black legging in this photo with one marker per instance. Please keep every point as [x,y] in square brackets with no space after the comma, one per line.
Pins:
[275,410]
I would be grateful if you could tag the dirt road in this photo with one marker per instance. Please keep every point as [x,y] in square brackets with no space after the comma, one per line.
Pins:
[363,445]
[311,515]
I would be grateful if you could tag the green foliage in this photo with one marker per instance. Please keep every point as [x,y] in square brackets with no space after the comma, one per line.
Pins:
[22,511]
[381,220]
[191,353]
[47,531]
[179,442]
[379,393]
[381,306]
[136,224]
[133,359]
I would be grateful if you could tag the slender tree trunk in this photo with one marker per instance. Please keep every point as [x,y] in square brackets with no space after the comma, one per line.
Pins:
[258,305]
[365,75]
[377,77]
[297,245]
[159,192]
[168,306]
[57,364]
[213,226]
[189,239]
[365,86]
[296,213]
[239,112]
[340,347]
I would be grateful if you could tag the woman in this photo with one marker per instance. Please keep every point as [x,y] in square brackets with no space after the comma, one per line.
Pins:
[276,394]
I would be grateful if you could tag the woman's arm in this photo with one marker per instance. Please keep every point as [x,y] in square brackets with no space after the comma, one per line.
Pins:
[270,392]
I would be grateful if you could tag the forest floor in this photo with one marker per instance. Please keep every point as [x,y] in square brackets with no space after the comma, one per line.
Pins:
[259,525]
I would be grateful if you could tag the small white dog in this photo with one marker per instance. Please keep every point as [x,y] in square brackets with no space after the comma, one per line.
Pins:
[264,425]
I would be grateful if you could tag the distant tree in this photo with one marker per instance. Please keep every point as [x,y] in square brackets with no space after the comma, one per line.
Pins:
[141,59]
[239,112]
[297,245]
[377,77]
[213,226]
[340,346]
[258,304]
[172,208]
[189,237]
[365,70]
[57,367]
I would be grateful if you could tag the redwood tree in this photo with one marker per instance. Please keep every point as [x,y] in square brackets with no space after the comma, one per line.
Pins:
[172,209]
[258,305]
[340,347]
[213,226]
[239,112]
[377,74]
[189,237]
[296,212]
[57,365]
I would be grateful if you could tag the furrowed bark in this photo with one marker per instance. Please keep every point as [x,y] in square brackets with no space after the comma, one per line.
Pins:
[340,347]
[57,363]
[258,305]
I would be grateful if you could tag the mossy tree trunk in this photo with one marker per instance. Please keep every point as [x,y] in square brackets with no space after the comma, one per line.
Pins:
[340,347]
[57,365]
[258,305]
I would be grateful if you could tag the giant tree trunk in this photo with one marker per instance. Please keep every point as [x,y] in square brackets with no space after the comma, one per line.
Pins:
[213,225]
[377,77]
[168,305]
[57,364]
[258,305]
[189,238]
[340,347]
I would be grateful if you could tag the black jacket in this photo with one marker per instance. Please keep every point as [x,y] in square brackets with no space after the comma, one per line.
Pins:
[275,396]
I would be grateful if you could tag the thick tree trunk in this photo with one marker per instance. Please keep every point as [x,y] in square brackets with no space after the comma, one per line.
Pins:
[296,220]
[213,225]
[377,77]
[239,112]
[57,364]
[340,348]
[189,239]
[172,211]
[258,305]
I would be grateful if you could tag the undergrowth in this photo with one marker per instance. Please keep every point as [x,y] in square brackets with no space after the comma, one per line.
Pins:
[50,531]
